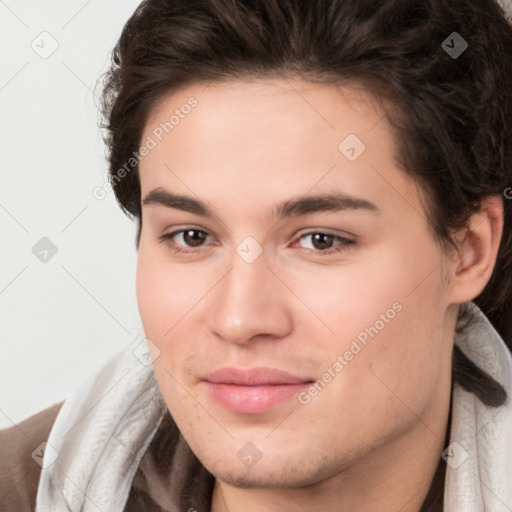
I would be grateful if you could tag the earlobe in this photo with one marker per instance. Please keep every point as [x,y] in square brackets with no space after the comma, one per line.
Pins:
[478,241]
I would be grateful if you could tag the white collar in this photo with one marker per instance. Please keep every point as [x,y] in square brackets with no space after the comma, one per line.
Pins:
[479,471]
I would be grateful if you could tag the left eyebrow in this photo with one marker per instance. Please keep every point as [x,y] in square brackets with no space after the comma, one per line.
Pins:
[334,202]
[295,207]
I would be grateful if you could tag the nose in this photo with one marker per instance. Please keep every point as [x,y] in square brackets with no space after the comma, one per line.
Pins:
[249,302]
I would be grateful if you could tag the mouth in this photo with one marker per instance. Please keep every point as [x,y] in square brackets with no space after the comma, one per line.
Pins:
[253,390]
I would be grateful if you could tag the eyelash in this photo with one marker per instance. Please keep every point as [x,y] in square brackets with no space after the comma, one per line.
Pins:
[343,245]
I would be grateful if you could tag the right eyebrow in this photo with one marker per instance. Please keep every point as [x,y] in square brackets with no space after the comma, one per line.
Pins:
[188,204]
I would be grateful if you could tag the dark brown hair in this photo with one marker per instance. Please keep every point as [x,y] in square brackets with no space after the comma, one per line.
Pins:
[451,116]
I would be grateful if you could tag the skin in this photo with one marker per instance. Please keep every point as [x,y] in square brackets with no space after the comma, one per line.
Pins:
[372,438]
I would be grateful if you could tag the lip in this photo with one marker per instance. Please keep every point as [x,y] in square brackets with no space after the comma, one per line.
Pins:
[253,390]
[253,376]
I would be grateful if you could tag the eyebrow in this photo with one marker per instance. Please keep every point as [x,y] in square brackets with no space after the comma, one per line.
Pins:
[294,207]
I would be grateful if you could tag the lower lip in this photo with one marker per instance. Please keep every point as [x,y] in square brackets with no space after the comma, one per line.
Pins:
[253,399]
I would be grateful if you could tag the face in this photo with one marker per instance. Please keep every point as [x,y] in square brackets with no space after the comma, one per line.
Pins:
[280,318]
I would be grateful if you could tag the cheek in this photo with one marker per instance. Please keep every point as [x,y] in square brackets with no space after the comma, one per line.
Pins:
[165,291]
[389,324]
[402,361]
[158,292]
[163,306]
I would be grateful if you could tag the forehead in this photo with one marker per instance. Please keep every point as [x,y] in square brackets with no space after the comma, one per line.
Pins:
[230,101]
[267,138]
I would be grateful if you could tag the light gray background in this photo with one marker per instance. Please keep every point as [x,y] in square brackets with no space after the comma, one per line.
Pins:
[59,319]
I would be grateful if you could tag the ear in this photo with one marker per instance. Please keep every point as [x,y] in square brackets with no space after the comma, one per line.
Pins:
[478,243]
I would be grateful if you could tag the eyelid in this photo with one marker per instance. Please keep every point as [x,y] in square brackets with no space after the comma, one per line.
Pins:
[326,231]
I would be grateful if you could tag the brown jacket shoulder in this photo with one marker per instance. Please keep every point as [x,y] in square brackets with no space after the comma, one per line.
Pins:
[19,452]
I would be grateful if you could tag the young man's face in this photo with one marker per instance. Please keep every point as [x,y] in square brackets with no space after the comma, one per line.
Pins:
[350,302]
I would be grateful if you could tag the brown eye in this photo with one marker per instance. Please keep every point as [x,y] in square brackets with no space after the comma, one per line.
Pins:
[183,239]
[324,243]
[193,237]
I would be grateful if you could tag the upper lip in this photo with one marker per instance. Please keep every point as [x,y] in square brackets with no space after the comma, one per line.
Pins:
[253,376]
